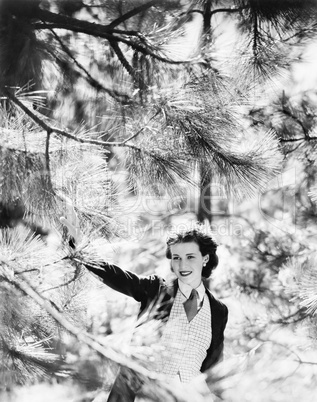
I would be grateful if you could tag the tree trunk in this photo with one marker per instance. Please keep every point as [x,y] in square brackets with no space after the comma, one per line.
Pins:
[204,207]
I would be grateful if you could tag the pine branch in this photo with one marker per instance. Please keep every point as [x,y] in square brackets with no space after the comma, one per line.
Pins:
[133,136]
[53,21]
[89,185]
[47,154]
[158,168]
[307,285]
[27,251]
[163,165]
[78,333]
[300,139]
[209,132]
[23,362]
[73,278]
[48,128]
[123,60]
[31,177]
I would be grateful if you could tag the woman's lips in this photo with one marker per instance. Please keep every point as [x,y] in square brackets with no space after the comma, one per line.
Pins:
[185,273]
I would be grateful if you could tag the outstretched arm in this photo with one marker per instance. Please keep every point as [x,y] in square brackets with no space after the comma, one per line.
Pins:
[139,287]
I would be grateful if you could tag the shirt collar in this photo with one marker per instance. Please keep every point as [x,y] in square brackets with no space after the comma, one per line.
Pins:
[186,289]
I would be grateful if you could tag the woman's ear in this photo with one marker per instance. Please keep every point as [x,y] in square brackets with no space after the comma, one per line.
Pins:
[205,259]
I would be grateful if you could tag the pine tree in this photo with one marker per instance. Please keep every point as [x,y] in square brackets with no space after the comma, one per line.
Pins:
[84,86]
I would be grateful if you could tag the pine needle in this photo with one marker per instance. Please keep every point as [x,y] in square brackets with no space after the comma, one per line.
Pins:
[307,285]
[23,362]
[28,251]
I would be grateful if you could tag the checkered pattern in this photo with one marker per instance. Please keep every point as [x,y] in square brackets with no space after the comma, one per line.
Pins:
[185,343]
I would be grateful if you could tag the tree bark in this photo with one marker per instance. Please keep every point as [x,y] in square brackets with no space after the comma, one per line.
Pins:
[204,207]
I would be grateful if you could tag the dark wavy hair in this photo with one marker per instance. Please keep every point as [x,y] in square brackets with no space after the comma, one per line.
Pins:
[206,244]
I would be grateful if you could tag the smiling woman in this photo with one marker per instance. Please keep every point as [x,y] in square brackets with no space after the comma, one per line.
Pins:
[193,319]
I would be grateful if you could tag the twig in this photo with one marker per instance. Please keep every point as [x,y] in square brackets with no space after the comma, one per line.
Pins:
[141,129]
[27,270]
[227,10]
[305,362]
[133,12]
[298,139]
[123,60]
[47,152]
[71,280]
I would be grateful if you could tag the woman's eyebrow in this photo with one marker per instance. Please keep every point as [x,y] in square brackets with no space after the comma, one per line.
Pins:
[175,254]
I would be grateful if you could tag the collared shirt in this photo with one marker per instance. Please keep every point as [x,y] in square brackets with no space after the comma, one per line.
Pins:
[186,291]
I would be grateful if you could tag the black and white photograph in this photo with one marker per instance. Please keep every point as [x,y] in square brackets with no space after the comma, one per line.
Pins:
[158,200]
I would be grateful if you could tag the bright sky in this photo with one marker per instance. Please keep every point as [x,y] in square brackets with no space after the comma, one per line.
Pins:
[305,72]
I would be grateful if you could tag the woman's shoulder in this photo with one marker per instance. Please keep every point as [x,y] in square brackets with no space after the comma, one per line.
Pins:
[216,303]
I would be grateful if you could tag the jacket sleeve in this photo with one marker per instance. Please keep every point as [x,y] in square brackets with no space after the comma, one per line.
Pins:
[141,288]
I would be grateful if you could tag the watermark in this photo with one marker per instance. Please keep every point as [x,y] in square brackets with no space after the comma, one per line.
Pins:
[157,228]
[275,205]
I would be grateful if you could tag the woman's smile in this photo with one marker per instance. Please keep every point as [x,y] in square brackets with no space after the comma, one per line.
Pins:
[185,273]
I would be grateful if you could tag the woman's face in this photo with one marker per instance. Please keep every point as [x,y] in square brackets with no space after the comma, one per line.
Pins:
[187,262]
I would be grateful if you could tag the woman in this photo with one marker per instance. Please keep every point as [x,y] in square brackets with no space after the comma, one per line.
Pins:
[194,321]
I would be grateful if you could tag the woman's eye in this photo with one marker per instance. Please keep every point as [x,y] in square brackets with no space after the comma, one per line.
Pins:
[175,258]
[190,257]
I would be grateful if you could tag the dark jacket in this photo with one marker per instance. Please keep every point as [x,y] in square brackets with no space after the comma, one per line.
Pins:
[154,293]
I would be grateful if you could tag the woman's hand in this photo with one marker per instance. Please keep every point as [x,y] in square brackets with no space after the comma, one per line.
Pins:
[71,221]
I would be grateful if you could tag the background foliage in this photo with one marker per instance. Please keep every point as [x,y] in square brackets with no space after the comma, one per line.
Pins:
[141,115]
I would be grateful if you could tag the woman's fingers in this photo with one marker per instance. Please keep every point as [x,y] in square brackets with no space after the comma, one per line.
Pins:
[72,229]
[70,220]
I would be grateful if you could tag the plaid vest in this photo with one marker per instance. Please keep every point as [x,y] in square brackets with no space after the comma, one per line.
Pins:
[185,343]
